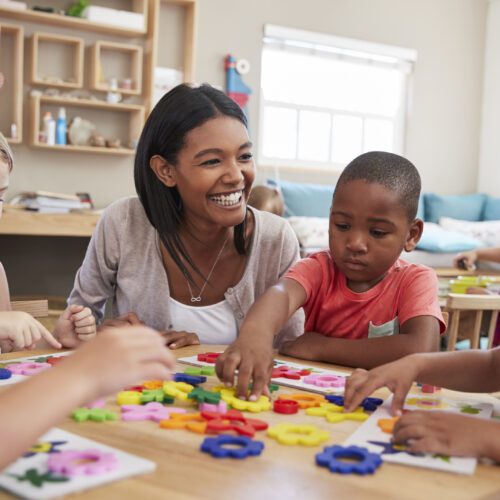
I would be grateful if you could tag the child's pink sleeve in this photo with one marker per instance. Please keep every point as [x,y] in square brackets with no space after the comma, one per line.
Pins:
[419,297]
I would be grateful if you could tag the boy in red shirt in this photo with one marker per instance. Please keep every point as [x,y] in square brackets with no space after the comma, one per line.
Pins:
[359,290]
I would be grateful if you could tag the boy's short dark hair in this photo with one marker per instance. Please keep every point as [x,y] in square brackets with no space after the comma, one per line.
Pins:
[391,171]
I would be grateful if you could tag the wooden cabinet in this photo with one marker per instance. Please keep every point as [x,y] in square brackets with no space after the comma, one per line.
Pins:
[95,56]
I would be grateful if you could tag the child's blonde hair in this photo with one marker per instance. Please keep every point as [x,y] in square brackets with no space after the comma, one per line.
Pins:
[6,152]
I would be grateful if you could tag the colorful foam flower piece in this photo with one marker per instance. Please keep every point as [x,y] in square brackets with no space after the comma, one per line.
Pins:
[291,434]
[326,381]
[179,390]
[150,411]
[93,414]
[245,447]
[82,462]
[361,461]
[335,414]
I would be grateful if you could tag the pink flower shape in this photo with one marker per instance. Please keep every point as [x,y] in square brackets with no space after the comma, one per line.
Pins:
[221,407]
[82,462]
[325,380]
[150,411]
[28,368]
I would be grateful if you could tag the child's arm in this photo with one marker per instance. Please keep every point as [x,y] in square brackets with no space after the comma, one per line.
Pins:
[252,353]
[95,370]
[470,258]
[469,371]
[4,291]
[449,434]
[419,334]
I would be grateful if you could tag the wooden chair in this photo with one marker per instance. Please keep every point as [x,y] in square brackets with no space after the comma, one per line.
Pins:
[37,308]
[457,303]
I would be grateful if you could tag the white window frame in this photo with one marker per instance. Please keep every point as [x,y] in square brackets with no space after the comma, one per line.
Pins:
[377,53]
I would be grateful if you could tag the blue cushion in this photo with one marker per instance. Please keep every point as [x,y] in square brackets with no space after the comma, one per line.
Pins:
[464,207]
[311,200]
[420,210]
[437,239]
[492,209]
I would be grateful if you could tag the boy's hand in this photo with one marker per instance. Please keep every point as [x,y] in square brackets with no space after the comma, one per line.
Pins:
[176,340]
[139,349]
[253,362]
[441,432]
[23,331]
[76,323]
[307,346]
[397,376]
[466,260]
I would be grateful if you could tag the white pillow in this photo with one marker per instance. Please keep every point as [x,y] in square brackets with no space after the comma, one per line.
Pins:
[311,231]
[486,231]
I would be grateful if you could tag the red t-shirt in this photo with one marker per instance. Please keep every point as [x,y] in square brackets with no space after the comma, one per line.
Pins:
[408,290]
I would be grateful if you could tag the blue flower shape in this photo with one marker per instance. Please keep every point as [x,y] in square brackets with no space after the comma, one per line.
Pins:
[189,379]
[331,455]
[215,446]
[368,404]
[5,374]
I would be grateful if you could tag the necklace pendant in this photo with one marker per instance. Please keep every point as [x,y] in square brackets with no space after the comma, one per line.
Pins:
[195,299]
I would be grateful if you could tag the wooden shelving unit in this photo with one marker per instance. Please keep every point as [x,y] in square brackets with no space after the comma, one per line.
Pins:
[136,121]
[100,75]
[75,23]
[75,45]
[11,95]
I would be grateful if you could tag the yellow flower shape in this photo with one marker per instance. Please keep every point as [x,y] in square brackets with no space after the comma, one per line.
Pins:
[334,413]
[229,396]
[128,398]
[290,434]
[426,403]
[179,390]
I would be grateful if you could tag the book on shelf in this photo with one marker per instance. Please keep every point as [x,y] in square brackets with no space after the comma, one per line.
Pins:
[46,202]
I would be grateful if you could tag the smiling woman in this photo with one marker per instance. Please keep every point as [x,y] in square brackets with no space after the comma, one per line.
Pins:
[189,257]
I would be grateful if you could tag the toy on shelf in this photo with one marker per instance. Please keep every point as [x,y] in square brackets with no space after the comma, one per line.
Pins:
[236,89]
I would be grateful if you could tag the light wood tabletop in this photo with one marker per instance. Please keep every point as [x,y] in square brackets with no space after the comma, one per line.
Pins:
[284,472]
[16,221]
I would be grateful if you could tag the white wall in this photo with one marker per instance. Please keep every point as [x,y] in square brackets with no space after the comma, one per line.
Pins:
[489,157]
[442,136]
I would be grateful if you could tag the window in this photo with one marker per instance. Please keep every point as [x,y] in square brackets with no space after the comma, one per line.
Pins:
[325,99]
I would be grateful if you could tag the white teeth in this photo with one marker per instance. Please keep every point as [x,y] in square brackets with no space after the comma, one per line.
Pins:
[227,200]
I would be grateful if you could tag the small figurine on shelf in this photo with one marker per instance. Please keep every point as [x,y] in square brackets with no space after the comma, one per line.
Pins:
[113,143]
[113,96]
[76,9]
[236,88]
[97,141]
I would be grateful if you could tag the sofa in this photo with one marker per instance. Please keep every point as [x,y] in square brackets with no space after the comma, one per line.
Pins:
[453,223]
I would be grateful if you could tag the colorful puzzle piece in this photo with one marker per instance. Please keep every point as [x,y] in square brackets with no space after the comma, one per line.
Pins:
[93,414]
[387,424]
[360,460]
[189,379]
[179,390]
[368,404]
[325,380]
[28,368]
[150,411]
[193,422]
[233,421]
[245,447]
[5,374]
[286,406]
[200,370]
[284,371]
[305,400]
[155,395]
[229,396]
[44,447]
[290,434]
[220,407]
[426,403]
[335,414]
[128,398]
[82,462]
[202,396]
[152,385]
[209,357]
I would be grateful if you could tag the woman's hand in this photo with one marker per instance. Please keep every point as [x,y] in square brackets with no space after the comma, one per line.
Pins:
[254,363]
[176,340]
[445,433]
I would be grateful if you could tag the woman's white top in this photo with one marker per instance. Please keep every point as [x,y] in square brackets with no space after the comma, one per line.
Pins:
[213,324]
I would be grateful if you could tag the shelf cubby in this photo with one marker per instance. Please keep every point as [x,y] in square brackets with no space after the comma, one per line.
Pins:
[116,60]
[11,66]
[67,51]
[85,108]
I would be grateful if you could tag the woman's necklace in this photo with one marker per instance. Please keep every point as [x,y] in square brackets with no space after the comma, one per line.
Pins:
[198,298]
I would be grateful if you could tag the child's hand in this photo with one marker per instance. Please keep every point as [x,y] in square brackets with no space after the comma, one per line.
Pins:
[77,323]
[441,432]
[253,362]
[466,260]
[397,376]
[22,331]
[119,357]
[176,340]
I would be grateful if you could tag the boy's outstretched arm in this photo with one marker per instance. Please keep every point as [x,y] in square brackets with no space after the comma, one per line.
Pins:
[96,369]
[469,371]
[252,353]
[419,334]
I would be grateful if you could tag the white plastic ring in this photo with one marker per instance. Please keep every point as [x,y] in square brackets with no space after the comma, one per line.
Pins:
[242,66]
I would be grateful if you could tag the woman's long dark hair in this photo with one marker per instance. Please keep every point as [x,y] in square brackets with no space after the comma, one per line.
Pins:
[178,112]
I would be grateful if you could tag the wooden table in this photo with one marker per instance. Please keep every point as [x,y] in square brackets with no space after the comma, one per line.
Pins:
[283,472]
